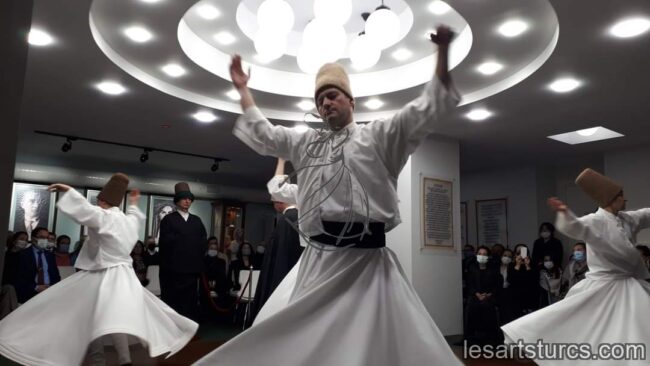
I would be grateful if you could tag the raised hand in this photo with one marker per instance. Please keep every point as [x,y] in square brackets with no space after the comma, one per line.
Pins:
[134,196]
[237,75]
[443,36]
[58,187]
[556,205]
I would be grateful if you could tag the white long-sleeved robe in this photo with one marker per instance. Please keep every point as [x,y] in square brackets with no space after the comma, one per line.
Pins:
[610,305]
[352,306]
[56,326]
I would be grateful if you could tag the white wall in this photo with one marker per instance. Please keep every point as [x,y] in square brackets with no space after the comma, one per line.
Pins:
[437,274]
[631,168]
[519,186]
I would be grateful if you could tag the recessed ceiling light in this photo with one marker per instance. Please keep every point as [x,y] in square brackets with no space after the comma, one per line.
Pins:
[374,104]
[233,94]
[150,1]
[513,28]
[204,116]
[586,135]
[138,34]
[111,87]
[402,54]
[208,12]
[306,105]
[174,70]
[630,27]
[38,37]
[478,114]
[301,128]
[225,38]
[439,7]
[564,85]
[489,68]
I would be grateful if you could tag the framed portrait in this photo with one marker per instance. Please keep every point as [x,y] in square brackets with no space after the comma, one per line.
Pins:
[463,223]
[159,207]
[492,222]
[32,206]
[437,213]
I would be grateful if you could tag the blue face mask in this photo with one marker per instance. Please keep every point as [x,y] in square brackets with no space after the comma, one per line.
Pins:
[579,256]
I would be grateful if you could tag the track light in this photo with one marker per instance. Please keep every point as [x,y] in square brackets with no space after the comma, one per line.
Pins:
[144,156]
[215,166]
[67,145]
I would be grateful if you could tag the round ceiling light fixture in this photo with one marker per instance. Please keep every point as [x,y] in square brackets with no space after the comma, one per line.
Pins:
[364,53]
[269,45]
[275,16]
[383,26]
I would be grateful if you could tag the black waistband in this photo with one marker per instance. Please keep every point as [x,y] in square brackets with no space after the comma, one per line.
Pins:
[375,239]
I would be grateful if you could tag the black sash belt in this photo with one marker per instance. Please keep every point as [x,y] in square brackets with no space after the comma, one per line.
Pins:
[376,239]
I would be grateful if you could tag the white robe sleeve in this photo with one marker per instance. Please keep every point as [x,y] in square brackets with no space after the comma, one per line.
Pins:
[641,218]
[400,135]
[73,204]
[253,129]
[577,228]
[135,216]
[287,192]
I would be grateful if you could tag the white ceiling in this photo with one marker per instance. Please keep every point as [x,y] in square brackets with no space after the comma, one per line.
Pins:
[59,95]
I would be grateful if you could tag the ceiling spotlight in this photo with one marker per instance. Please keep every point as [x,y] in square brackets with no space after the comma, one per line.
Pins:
[564,85]
[138,34]
[374,104]
[439,7]
[630,27]
[150,1]
[173,70]
[513,28]
[215,166]
[587,131]
[111,87]
[402,54]
[204,116]
[144,156]
[208,12]
[478,114]
[67,145]
[225,38]
[489,68]
[306,105]
[38,37]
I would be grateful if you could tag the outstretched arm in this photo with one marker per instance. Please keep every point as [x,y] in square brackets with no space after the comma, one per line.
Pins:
[278,186]
[279,168]
[442,38]
[240,81]
[133,213]
[568,224]
[73,204]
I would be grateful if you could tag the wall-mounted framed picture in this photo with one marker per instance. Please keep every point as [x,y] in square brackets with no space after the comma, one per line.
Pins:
[492,222]
[32,206]
[437,213]
[159,207]
[463,223]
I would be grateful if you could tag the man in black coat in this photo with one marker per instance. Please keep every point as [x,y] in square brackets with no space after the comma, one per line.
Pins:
[182,246]
[35,269]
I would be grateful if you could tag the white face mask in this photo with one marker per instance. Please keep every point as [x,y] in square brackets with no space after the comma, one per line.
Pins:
[548,264]
[51,244]
[545,234]
[21,244]
[506,260]
[260,249]
[212,253]
[41,243]
[482,259]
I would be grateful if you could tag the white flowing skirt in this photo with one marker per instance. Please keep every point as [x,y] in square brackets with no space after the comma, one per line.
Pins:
[351,307]
[56,326]
[595,311]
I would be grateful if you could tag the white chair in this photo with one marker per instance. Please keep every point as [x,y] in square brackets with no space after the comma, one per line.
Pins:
[154,280]
[65,271]
[247,293]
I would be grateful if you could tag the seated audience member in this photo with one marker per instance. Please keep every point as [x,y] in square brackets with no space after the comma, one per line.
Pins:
[151,256]
[8,300]
[19,241]
[524,283]
[483,284]
[550,282]
[506,309]
[546,244]
[577,268]
[645,254]
[51,241]
[495,254]
[215,277]
[62,252]
[36,268]
[468,257]
[246,256]
[140,268]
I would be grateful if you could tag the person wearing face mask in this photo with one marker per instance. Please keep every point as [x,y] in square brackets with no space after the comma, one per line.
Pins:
[550,282]
[62,252]
[151,256]
[214,282]
[545,245]
[577,268]
[484,284]
[36,268]
[506,309]
[51,242]
[19,241]
[524,282]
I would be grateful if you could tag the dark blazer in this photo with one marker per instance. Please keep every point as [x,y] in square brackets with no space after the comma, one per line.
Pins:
[24,277]
[182,244]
